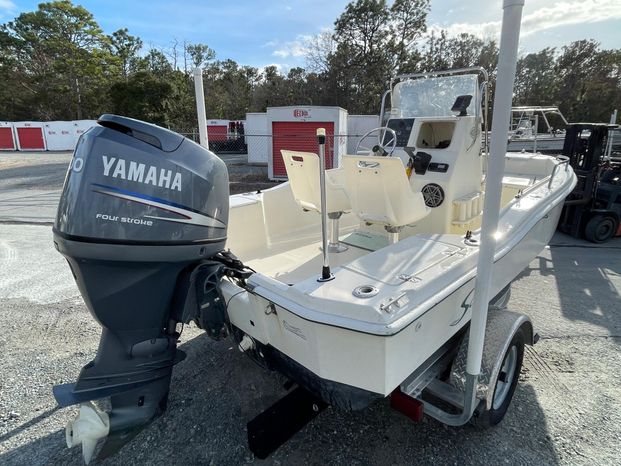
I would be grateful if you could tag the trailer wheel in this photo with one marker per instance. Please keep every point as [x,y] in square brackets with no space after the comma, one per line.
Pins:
[505,384]
[600,229]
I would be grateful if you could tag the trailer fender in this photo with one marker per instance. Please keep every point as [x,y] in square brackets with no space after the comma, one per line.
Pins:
[502,325]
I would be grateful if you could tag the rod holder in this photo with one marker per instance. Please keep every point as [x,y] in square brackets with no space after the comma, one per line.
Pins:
[326,275]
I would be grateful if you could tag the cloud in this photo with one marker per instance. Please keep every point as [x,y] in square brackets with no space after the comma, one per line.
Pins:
[282,68]
[571,12]
[295,48]
[7,6]
[563,13]
[271,43]
[489,30]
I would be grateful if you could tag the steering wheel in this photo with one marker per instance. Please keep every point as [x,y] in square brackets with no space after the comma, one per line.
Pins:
[379,148]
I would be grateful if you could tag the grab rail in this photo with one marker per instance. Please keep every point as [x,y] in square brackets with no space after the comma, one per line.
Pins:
[563,160]
[428,74]
[383,106]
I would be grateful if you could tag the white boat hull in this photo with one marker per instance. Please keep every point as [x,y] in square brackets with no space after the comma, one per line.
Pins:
[543,144]
[315,325]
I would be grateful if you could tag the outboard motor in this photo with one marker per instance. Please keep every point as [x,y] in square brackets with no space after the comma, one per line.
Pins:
[142,215]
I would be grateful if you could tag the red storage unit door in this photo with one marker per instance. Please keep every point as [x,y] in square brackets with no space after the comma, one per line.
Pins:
[30,138]
[299,135]
[217,133]
[7,142]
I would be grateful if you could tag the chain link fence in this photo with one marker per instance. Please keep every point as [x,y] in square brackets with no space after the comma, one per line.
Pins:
[230,144]
[258,147]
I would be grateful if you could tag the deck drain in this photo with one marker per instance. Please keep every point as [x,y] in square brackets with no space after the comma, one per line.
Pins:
[365,291]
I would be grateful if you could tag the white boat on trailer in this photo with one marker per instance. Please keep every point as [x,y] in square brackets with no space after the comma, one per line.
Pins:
[524,134]
[393,301]
[404,259]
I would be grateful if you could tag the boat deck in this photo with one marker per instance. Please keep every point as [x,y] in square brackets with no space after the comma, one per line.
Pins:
[298,264]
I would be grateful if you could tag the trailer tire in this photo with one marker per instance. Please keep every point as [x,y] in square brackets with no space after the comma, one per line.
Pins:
[600,228]
[512,363]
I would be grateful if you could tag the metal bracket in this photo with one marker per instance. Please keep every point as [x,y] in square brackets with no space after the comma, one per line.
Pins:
[385,306]
[404,277]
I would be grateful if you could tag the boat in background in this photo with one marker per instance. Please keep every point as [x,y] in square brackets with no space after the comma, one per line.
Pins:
[524,133]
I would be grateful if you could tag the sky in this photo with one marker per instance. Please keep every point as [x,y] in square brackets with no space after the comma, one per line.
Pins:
[261,33]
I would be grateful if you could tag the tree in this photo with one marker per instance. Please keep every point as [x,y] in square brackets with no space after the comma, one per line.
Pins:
[361,64]
[589,85]
[199,54]
[408,23]
[435,53]
[270,91]
[373,42]
[318,49]
[142,96]
[535,78]
[157,63]
[126,48]
[60,56]
[56,63]
[229,89]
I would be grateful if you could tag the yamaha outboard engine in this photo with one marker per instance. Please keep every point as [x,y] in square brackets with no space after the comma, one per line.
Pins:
[142,211]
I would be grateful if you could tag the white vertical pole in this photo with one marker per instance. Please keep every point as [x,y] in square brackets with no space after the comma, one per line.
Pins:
[326,275]
[509,38]
[200,107]
[613,120]
[536,130]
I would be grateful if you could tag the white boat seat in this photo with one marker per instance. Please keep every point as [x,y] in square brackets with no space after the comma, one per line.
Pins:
[303,173]
[380,192]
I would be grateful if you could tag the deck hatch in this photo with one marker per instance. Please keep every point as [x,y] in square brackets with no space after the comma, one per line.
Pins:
[409,257]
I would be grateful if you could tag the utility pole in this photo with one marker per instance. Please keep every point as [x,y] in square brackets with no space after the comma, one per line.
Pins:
[200,107]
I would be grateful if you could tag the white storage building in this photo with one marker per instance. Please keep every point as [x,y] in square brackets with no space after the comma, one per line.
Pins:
[60,135]
[81,126]
[257,137]
[357,126]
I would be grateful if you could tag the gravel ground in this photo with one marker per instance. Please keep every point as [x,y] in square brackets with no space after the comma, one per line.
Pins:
[566,410]
[46,171]
[30,183]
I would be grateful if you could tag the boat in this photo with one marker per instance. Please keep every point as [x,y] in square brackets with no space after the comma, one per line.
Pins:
[405,257]
[524,134]
[385,277]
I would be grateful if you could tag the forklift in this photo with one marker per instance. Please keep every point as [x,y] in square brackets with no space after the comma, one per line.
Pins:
[593,210]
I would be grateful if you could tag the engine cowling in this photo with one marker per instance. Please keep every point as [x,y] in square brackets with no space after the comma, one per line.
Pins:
[141,208]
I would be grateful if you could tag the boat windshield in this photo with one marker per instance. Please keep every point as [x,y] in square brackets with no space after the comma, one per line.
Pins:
[433,97]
